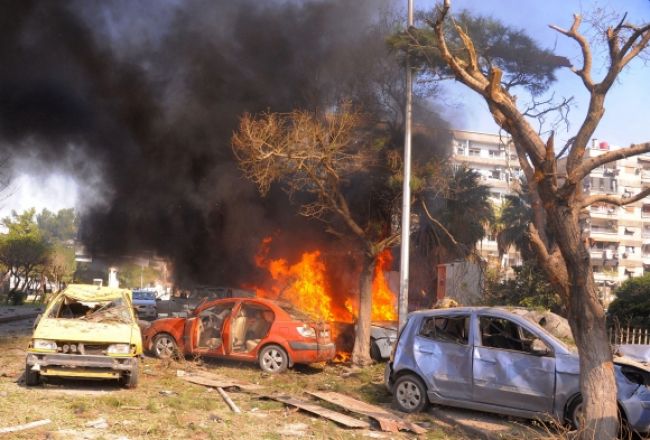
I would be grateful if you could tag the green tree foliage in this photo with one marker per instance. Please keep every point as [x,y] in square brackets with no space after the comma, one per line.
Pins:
[529,288]
[512,223]
[632,303]
[24,251]
[132,275]
[521,59]
[58,227]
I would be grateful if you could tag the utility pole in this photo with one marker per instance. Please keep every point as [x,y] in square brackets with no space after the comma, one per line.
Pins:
[403,302]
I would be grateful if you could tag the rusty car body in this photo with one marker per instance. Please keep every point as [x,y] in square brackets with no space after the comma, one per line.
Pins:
[271,333]
[86,331]
[494,360]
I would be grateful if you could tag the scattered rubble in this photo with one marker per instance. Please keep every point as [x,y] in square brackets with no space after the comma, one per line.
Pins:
[387,420]
[25,426]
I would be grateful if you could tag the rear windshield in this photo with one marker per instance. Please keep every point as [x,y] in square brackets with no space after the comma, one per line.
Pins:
[141,295]
[296,314]
[94,311]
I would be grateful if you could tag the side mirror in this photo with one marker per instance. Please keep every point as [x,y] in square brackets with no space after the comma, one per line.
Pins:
[539,348]
[37,320]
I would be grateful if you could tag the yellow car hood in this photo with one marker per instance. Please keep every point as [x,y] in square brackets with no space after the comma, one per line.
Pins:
[85,331]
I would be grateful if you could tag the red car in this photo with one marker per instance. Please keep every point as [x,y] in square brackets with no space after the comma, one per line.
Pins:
[272,333]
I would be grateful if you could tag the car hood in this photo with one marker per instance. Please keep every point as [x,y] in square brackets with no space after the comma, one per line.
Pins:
[625,360]
[79,330]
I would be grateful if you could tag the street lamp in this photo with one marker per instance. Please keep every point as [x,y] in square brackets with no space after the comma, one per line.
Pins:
[403,302]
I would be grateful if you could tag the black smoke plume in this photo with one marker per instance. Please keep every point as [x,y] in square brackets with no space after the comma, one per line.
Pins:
[143,97]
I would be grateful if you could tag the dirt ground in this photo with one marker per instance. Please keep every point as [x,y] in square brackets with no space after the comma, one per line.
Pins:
[166,407]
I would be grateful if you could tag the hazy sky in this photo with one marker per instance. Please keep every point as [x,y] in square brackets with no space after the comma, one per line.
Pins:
[625,121]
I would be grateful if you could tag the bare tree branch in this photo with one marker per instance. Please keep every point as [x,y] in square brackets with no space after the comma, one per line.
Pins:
[615,200]
[585,72]
[587,165]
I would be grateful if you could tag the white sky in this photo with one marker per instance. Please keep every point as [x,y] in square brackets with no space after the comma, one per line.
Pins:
[625,120]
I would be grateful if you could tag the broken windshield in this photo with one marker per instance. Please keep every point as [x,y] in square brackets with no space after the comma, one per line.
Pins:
[116,310]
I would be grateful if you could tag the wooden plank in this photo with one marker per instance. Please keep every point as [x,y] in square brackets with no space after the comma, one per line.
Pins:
[387,421]
[341,419]
[228,400]
[216,381]
[23,427]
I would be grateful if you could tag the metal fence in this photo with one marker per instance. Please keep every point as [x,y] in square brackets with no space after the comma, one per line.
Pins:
[629,335]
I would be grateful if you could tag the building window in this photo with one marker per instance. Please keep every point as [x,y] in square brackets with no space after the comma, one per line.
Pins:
[474,152]
[495,154]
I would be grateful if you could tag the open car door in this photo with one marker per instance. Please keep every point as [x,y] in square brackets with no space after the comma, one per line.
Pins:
[190,334]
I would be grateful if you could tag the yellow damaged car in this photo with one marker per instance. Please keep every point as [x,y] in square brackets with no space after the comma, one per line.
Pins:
[88,332]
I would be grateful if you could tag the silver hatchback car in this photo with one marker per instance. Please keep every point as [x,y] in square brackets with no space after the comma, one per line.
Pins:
[491,359]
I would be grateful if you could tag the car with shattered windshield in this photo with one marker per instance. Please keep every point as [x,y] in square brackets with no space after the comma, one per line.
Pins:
[89,332]
[498,360]
[273,334]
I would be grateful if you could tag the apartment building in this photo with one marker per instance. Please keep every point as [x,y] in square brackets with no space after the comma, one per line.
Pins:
[619,237]
[494,158]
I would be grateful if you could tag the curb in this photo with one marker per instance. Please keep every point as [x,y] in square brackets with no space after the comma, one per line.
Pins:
[4,319]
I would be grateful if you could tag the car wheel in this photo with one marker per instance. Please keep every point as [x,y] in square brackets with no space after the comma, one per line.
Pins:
[273,359]
[130,379]
[574,413]
[32,378]
[164,346]
[409,394]
[375,352]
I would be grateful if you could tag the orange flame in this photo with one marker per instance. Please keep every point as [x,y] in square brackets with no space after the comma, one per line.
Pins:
[304,284]
[383,299]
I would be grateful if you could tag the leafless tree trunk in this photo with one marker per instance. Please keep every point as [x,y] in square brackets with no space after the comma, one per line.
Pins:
[361,349]
[558,200]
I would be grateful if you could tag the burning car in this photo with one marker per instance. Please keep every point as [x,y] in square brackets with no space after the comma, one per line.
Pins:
[271,333]
[496,360]
[86,331]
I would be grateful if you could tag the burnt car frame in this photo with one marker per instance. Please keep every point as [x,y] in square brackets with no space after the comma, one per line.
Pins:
[491,359]
[246,329]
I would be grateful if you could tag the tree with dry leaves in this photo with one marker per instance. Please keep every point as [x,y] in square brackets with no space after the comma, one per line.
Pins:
[313,156]
[555,181]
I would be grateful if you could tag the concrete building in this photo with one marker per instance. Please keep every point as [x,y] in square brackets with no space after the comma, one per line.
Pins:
[494,157]
[619,237]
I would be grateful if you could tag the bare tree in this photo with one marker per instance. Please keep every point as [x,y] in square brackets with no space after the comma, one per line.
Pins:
[558,200]
[313,155]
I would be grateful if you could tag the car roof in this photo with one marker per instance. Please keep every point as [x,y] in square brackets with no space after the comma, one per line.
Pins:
[461,310]
[91,292]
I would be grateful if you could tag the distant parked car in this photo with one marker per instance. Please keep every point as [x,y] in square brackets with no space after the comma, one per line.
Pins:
[144,302]
[86,331]
[492,359]
[273,334]
[183,305]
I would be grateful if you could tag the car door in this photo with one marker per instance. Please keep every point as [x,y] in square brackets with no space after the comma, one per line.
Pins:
[443,354]
[210,328]
[509,368]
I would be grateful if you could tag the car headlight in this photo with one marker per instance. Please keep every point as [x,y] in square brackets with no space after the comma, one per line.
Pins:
[44,344]
[119,349]
[306,332]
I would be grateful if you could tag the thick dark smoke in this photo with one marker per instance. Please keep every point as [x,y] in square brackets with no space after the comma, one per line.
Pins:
[144,97]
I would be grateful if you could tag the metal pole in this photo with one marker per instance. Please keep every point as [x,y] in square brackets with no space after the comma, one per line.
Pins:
[406,193]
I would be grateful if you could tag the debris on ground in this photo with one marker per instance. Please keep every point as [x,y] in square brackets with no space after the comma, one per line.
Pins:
[25,426]
[293,429]
[216,381]
[387,421]
[100,423]
[341,419]
[229,401]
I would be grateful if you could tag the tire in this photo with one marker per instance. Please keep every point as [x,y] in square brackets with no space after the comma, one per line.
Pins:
[273,359]
[574,413]
[409,394]
[375,352]
[32,378]
[130,379]
[164,346]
